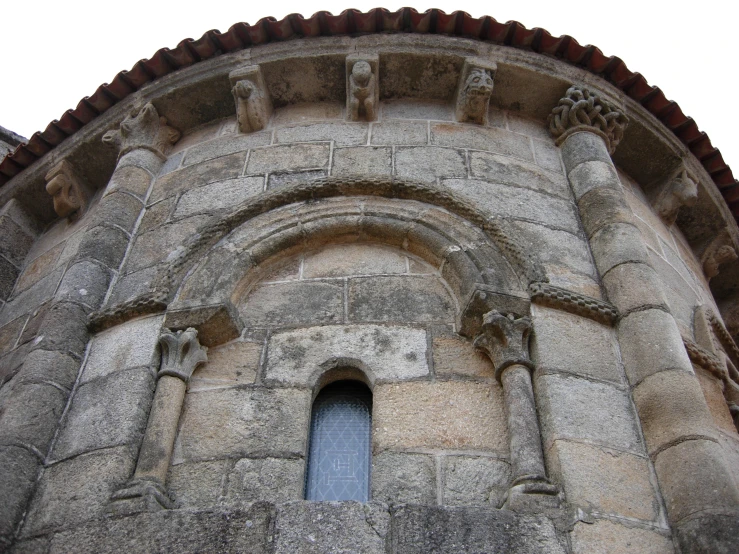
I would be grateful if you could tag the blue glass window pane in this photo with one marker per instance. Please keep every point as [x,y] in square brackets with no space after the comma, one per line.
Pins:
[339,452]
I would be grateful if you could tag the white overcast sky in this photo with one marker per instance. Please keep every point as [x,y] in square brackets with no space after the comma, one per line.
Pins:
[55,53]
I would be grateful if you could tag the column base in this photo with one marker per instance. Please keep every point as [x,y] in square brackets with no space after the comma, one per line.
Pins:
[532,497]
[140,495]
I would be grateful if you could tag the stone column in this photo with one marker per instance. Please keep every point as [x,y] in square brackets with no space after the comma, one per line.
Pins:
[181,354]
[505,340]
[693,475]
[31,417]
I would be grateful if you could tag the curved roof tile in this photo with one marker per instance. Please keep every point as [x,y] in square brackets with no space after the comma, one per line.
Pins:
[241,35]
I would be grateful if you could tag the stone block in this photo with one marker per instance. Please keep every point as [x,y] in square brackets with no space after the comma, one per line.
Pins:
[617,244]
[108,412]
[307,111]
[133,285]
[517,203]
[406,299]
[400,478]
[38,268]
[455,356]
[387,353]
[694,477]
[474,481]
[277,180]
[160,244]
[107,245]
[31,415]
[442,530]
[713,392]
[547,155]
[216,323]
[417,108]
[45,366]
[223,195]
[607,537]
[604,480]
[632,286]
[225,146]
[156,214]
[118,209]
[64,328]
[398,132]
[10,333]
[511,171]
[38,545]
[650,342]
[293,303]
[671,405]
[181,531]
[173,162]
[603,206]
[529,127]
[218,169]
[131,344]
[130,178]
[236,363]
[199,484]
[330,527]
[578,409]
[353,259]
[34,322]
[583,147]
[288,158]
[84,282]
[456,415]
[362,160]
[429,163]
[31,298]
[558,251]
[17,240]
[575,344]
[715,533]
[20,469]
[489,139]
[593,175]
[274,480]
[78,490]
[8,275]
[243,422]
[343,134]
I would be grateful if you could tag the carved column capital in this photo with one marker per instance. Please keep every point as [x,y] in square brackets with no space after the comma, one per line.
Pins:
[720,250]
[181,353]
[583,110]
[680,190]
[474,91]
[146,130]
[253,103]
[505,339]
[70,193]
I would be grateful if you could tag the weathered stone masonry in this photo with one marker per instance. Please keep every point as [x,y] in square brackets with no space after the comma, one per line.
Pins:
[530,273]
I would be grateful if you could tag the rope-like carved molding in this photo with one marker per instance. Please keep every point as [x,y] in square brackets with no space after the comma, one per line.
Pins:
[208,235]
[705,359]
[724,337]
[550,296]
[144,305]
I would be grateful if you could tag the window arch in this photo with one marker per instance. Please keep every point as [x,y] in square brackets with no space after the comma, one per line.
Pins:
[339,455]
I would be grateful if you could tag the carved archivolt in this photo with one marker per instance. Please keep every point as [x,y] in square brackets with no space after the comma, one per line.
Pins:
[582,110]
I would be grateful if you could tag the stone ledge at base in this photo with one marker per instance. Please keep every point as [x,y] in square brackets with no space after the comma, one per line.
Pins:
[302,527]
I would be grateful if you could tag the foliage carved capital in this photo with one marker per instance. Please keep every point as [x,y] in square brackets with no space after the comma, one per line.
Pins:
[144,129]
[181,353]
[505,340]
[583,110]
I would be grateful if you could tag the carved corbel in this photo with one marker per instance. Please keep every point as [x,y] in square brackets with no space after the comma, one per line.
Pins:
[146,491]
[680,190]
[582,110]
[505,339]
[474,91]
[70,193]
[362,87]
[253,103]
[143,129]
[719,251]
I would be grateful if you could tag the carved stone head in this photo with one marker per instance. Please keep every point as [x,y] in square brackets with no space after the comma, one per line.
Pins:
[69,193]
[243,89]
[361,73]
[479,83]
[143,129]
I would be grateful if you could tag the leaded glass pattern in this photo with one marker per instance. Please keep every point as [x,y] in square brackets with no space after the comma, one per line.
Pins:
[339,452]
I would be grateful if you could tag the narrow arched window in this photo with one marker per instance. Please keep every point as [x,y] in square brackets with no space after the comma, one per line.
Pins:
[339,452]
